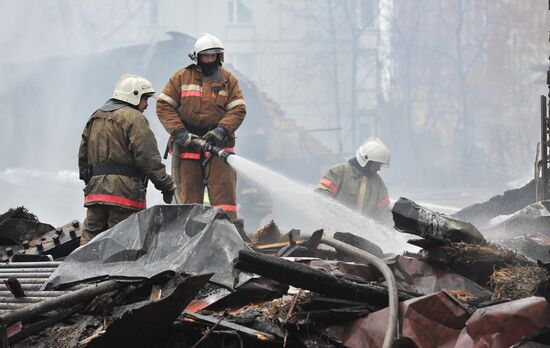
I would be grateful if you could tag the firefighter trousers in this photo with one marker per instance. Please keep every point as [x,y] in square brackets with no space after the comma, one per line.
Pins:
[101,217]
[217,176]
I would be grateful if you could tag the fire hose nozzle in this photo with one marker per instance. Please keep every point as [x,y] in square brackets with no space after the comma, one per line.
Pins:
[224,154]
[207,147]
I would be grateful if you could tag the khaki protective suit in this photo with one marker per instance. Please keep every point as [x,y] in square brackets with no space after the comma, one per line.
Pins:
[366,194]
[117,135]
[199,103]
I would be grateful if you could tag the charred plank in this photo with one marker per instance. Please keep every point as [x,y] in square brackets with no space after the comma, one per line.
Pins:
[302,276]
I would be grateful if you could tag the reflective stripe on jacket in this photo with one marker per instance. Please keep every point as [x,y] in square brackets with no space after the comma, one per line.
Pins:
[200,103]
[121,136]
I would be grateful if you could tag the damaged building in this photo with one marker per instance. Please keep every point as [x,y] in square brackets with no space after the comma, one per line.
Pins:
[188,275]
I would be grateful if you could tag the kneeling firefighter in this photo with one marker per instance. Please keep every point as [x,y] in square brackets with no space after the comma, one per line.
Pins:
[357,184]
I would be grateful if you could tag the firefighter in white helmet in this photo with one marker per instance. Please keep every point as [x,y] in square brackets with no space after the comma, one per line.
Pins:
[357,184]
[118,154]
[203,100]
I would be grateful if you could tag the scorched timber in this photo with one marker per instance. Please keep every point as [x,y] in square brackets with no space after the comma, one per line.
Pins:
[304,277]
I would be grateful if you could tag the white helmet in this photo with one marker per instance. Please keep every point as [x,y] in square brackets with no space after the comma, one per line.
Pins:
[129,88]
[373,149]
[207,44]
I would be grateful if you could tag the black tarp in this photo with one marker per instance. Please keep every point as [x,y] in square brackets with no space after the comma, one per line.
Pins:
[192,239]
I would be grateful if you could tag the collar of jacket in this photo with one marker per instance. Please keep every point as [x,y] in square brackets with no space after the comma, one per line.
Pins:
[112,105]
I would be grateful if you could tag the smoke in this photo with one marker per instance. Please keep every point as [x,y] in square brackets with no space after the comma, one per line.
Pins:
[341,71]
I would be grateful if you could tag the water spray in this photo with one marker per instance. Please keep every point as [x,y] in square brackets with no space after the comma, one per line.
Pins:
[297,205]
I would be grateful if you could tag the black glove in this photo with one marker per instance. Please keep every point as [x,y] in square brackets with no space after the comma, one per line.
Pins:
[85,175]
[167,196]
[182,137]
[216,136]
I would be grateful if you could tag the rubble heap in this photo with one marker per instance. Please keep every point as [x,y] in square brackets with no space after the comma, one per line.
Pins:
[181,276]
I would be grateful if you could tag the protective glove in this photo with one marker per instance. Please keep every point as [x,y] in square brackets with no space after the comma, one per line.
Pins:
[85,175]
[182,137]
[168,196]
[216,136]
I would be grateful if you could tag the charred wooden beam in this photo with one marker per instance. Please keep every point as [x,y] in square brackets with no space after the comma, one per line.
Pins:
[304,277]
[14,287]
[49,321]
[66,300]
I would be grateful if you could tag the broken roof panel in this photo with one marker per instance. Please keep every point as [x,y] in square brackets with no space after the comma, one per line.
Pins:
[433,320]
[504,324]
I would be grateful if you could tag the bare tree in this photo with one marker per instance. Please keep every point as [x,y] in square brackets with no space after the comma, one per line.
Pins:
[334,40]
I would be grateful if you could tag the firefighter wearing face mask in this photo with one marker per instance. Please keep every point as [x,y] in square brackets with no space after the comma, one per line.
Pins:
[203,100]
[356,183]
[118,154]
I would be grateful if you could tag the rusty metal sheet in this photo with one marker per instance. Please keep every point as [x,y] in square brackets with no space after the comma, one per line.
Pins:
[204,300]
[434,320]
[418,276]
[504,324]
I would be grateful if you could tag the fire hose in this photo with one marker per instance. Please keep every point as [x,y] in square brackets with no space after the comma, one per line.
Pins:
[393,313]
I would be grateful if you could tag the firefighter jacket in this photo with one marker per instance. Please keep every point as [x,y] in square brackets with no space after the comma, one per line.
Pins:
[366,194]
[117,136]
[200,103]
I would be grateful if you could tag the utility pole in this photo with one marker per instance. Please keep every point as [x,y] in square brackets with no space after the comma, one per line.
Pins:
[542,169]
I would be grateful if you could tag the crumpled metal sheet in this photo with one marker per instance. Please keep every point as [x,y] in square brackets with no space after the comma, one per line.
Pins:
[409,217]
[192,239]
[535,246]
[418,276]
[505,324]
[434,320]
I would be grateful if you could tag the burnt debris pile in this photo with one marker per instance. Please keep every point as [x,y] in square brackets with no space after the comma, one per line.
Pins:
[182,276]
